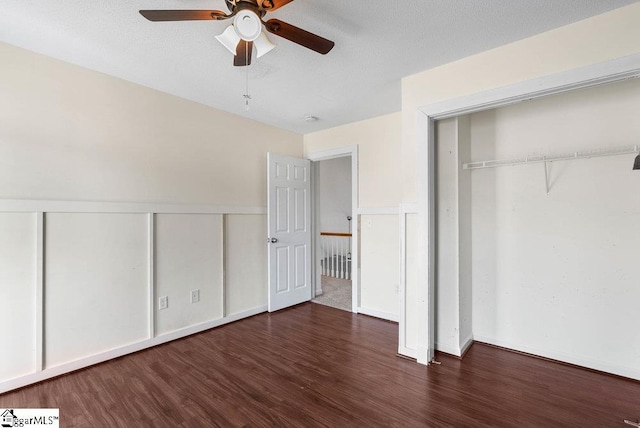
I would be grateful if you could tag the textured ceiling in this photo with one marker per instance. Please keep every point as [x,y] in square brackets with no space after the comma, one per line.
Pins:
[377,43]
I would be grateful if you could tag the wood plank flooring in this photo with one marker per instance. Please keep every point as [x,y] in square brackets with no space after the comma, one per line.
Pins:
[313,365]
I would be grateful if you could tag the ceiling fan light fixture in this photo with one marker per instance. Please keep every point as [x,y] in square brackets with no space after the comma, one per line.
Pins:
[263,44]
[229,39]
[247,28]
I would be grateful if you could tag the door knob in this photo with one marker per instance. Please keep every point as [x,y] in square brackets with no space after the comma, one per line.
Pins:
[272,240]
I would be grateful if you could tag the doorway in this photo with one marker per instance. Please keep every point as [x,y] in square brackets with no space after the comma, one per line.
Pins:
[335,234]
[333,178]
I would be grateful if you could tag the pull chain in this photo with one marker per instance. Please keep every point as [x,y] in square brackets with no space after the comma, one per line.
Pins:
[247,97]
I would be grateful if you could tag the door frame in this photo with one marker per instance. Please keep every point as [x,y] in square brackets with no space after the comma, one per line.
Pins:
[579,78]
[314,157]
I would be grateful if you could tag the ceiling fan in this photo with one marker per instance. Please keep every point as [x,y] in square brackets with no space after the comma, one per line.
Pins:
[246,30]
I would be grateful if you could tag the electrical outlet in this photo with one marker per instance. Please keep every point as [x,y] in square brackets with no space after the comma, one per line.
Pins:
[163,302]
[195,296]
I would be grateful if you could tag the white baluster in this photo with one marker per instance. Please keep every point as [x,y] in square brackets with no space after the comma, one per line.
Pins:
[323,241]
[330,242]
[330,245]
[337,257]
[333,257]
[343,256]
[339,243]
[325,260]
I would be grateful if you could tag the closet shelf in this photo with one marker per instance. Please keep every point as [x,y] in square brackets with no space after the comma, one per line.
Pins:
[625,150]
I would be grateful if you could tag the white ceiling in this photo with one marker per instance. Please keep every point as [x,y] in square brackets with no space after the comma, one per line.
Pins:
[377,43]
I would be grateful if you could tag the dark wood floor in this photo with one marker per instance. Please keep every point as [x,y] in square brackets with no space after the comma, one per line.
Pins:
[317,366]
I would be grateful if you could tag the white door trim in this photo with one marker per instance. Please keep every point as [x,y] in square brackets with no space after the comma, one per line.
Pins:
[579,78]
[355,257]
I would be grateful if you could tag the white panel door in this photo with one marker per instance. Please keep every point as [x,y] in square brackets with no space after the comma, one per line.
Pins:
[289,241]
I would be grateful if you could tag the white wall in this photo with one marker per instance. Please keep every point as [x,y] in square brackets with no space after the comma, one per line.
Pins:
[557,275]
[70,136]
[17,293]
[378,142]
[67,133]
[104,273]
[411,282]
[446,284]
[335,194]
[380,252]
[188,257]
[594,40]
[465,236]
[453,284]
[96,284]
[453,331]
[601,38]
[388,144]
[246,283]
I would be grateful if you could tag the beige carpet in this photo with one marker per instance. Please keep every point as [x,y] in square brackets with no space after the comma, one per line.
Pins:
[335,293]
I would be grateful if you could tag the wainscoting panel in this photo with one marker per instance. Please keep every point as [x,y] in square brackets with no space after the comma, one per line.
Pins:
[411,288]
[245,262]
[17,294]
[80,281]
[380,273]
[96,284]
[188,257]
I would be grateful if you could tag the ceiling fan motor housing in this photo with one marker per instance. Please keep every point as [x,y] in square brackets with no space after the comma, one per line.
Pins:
[248,25]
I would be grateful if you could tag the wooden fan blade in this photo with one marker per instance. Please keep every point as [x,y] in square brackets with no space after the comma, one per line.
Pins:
[271,5]
[299,36]
[183,15]
[243,54]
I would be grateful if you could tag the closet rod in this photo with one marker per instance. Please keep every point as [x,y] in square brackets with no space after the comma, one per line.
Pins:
[625,150]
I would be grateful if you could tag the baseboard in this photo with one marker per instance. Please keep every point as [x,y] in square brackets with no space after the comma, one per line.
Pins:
[318,291]
[378,314]
[82,363]
[575,360]
[466,345]
[454,351]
